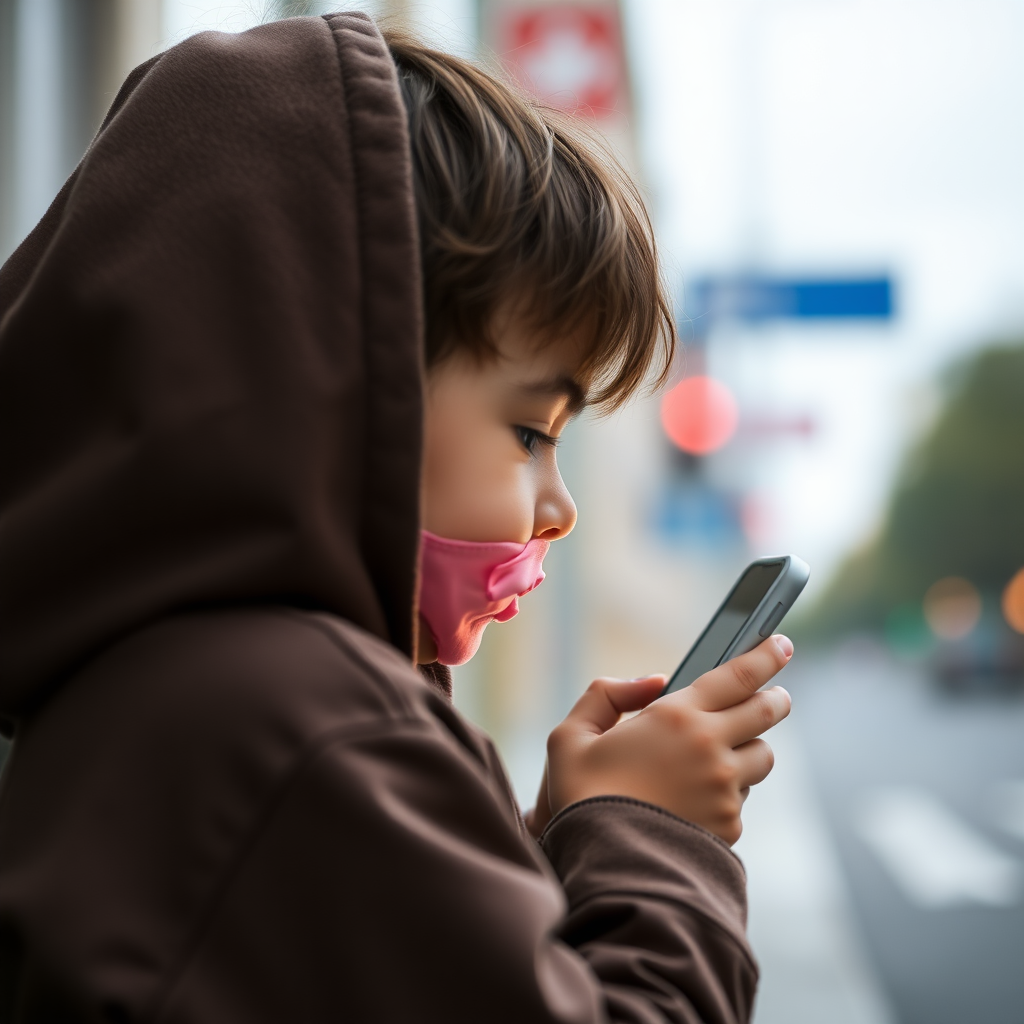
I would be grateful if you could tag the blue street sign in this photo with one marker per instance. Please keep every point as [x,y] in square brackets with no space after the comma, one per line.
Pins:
[753,298]
[693,513]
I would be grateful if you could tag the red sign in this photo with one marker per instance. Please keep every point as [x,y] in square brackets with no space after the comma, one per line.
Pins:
[568,54]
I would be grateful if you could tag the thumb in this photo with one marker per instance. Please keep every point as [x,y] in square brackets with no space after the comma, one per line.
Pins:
[539,815]
[605,700]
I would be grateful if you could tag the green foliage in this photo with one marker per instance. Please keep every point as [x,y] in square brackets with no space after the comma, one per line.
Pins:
[957,508]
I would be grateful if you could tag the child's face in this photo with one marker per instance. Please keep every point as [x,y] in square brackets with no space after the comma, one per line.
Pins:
[489,467]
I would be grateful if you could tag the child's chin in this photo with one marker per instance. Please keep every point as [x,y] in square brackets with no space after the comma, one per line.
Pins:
[462,647]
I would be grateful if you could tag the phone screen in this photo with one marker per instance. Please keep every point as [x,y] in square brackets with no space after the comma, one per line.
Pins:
[748,593]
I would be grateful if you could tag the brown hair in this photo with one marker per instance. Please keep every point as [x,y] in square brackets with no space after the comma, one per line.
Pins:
[520,202]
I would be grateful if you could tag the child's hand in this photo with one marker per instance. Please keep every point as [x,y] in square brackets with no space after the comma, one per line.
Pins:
[693,753]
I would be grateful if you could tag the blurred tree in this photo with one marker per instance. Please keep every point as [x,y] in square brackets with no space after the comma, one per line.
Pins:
[957,508]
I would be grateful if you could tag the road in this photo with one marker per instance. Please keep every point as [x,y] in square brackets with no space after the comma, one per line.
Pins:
[922,795]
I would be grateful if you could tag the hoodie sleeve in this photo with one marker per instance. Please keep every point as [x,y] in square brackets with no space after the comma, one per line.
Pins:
[391,883]
[657,907]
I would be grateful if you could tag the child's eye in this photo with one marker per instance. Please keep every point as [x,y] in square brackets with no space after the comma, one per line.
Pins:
[530,438]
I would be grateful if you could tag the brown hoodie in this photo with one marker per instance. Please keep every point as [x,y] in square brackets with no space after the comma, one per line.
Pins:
[231,798]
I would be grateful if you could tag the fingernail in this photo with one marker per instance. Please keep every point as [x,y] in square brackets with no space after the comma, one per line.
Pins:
[785,645]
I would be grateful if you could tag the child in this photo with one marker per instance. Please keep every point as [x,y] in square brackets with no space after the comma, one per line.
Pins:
[231,797]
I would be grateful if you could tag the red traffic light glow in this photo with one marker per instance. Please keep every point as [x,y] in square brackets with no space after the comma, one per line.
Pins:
[699,415]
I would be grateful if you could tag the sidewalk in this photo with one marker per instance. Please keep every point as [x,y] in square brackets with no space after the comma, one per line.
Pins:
[812,966]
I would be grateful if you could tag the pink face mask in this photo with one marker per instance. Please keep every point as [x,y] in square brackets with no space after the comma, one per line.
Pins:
[464,584]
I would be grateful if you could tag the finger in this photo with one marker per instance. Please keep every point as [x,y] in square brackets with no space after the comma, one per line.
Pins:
[606,699]
[737,679]
[757,714]
[754,760]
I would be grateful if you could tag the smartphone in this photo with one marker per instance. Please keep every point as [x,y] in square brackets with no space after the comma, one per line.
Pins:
[757,603]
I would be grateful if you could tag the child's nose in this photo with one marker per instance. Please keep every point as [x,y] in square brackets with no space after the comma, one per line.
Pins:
[555,513]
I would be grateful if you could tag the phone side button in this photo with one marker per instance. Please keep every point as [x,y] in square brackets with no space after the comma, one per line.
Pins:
[769,624]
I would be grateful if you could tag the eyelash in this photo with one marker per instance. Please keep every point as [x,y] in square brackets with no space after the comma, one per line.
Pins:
[529,438]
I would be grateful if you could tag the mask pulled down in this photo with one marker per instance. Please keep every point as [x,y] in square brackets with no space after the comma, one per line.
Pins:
[465,584]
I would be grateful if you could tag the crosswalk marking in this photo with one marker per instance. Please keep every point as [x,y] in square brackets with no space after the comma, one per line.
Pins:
[936,858]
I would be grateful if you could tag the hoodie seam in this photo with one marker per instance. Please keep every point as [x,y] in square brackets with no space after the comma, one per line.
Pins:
[344,82]
[359,80]
[345,24]
[628,800]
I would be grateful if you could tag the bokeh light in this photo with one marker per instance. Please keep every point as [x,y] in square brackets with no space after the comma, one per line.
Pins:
[952,607]
[699,415]
[1013,602]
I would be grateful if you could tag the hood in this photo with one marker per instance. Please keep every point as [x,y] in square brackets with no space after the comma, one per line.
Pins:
[210,356]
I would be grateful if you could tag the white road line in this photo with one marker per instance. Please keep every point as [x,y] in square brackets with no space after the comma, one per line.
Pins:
[1009,807]
[935,858]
